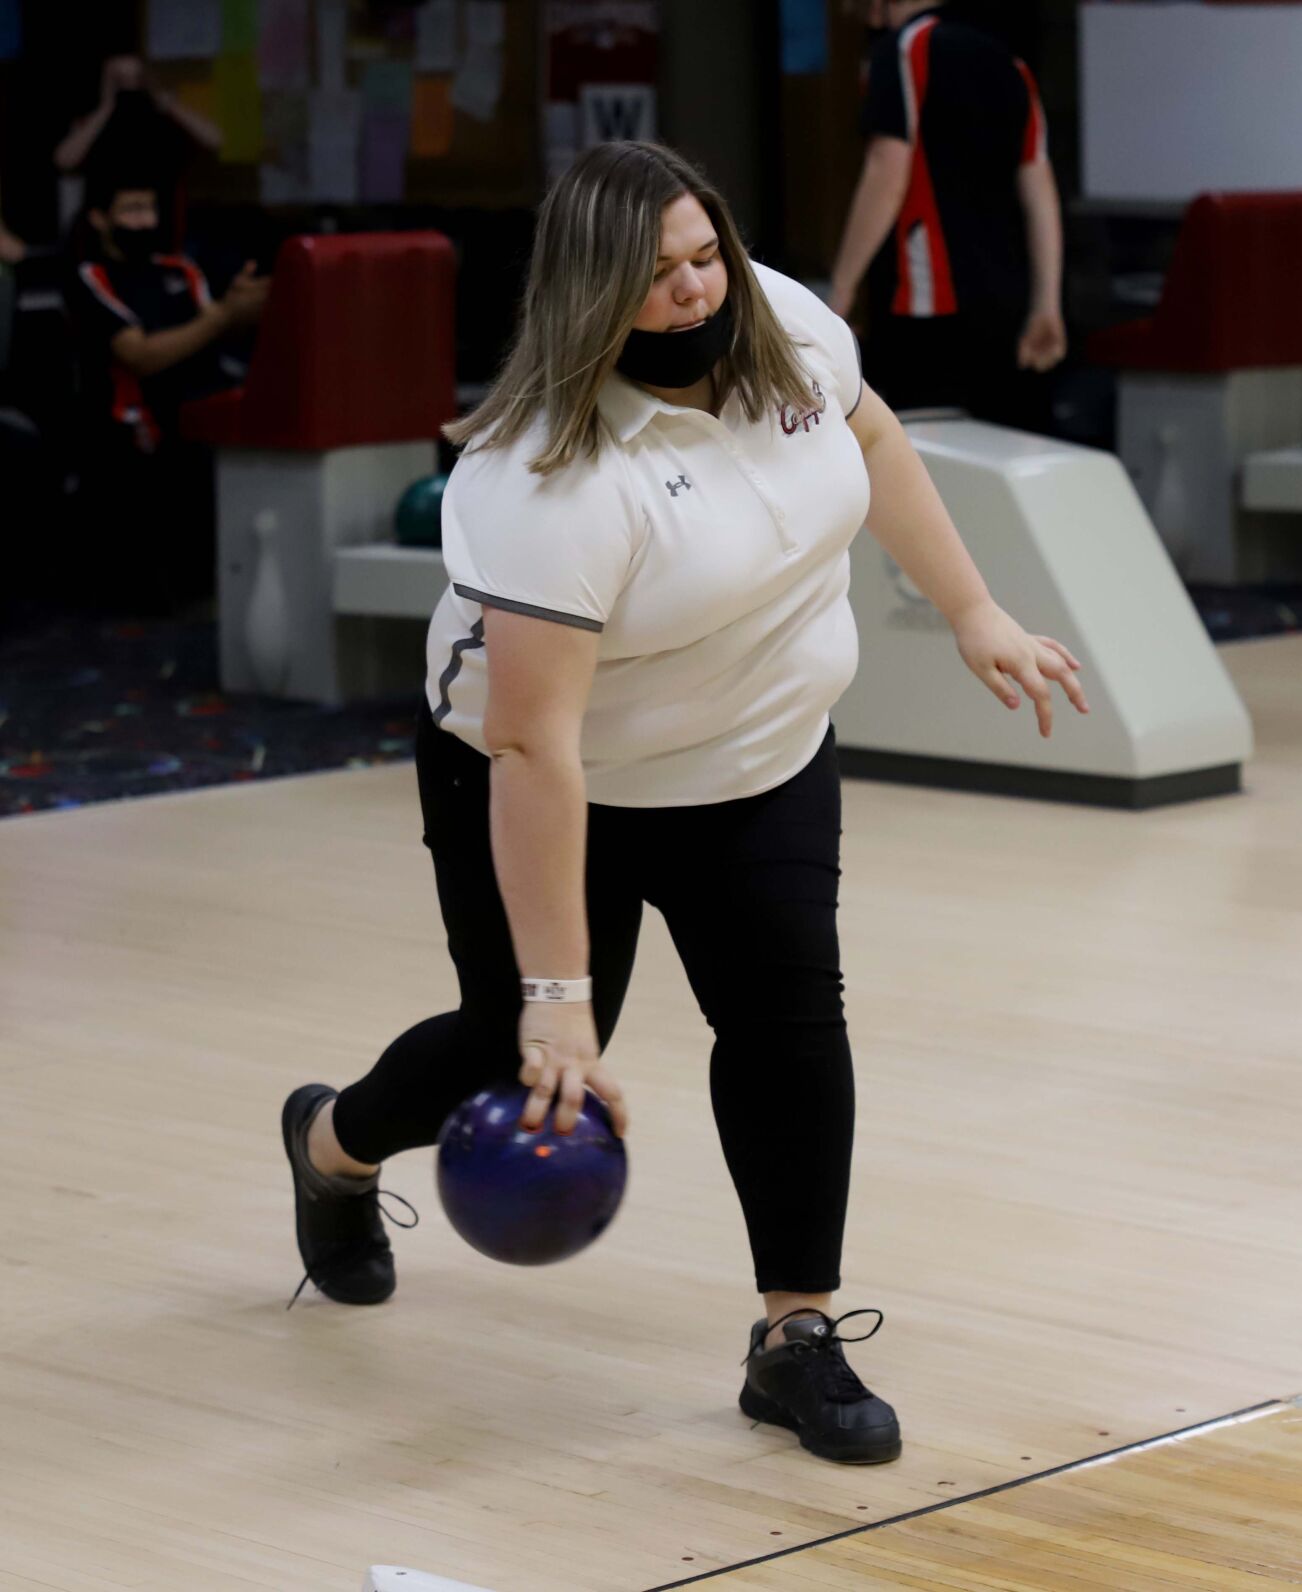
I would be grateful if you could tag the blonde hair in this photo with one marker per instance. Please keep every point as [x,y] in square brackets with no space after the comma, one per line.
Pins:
[593,263]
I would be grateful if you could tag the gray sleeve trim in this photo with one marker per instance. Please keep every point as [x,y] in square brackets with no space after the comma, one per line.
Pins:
[513,607]
[858,354]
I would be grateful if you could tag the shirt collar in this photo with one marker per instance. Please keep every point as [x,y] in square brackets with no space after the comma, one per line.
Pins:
[627,408]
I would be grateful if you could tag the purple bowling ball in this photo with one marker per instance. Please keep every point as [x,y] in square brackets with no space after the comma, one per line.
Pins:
[528,1198]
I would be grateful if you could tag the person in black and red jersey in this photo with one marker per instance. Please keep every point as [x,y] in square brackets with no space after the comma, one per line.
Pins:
[957,177]
[150,335]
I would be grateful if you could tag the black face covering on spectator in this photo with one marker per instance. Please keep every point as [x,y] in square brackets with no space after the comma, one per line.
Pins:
[677,359]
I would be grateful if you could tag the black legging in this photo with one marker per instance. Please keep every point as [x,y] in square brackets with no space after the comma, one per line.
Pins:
[748,889]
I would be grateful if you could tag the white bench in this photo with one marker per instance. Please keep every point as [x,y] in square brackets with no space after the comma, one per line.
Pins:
[1272,481]
[385,581]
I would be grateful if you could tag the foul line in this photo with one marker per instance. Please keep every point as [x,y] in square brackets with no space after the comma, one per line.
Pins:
[1252,1412]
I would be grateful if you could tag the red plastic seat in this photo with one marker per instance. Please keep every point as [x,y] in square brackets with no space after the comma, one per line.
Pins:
[356,346]
[1231,299]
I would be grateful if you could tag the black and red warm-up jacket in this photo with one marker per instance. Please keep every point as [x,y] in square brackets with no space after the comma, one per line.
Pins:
[971,113]
[166,291]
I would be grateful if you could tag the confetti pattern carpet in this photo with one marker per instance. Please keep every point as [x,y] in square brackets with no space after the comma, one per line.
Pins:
[93,710]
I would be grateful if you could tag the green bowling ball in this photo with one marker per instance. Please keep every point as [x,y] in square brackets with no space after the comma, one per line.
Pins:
[418,519]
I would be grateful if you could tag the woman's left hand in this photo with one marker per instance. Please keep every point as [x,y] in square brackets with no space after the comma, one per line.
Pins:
[998,651]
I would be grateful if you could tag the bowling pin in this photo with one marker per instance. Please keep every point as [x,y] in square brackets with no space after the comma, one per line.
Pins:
[266,619]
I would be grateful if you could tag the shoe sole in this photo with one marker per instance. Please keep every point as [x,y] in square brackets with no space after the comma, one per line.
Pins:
[759,1408]
[293,1108]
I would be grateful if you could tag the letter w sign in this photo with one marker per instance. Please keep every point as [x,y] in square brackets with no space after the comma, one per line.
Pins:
[612,111]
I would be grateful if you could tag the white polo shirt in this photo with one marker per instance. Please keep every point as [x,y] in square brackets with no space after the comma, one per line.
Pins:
[710,555]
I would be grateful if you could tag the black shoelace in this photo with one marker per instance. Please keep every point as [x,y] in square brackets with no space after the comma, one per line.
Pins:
[347,1253]
[836,1380]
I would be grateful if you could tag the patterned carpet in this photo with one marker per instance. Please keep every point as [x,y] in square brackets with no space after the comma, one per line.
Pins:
[92,710]
[96,709]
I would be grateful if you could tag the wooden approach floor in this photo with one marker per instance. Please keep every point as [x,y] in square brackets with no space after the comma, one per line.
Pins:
[1215,1510]
[1077,1036]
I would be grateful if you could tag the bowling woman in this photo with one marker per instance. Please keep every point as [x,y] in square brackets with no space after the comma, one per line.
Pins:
[628,696]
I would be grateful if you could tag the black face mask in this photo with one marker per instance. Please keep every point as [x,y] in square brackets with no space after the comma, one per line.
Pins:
[136,244]
[677,359]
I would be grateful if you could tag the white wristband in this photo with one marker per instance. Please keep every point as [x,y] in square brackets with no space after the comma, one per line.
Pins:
[556,989]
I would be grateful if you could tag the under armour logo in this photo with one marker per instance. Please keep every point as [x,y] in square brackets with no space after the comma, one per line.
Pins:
[675,487]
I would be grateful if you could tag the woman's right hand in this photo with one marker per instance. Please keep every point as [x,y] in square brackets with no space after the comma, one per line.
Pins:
[560,1058]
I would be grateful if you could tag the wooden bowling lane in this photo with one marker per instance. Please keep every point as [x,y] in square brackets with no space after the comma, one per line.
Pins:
[1217,1508]
[1074,1196]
